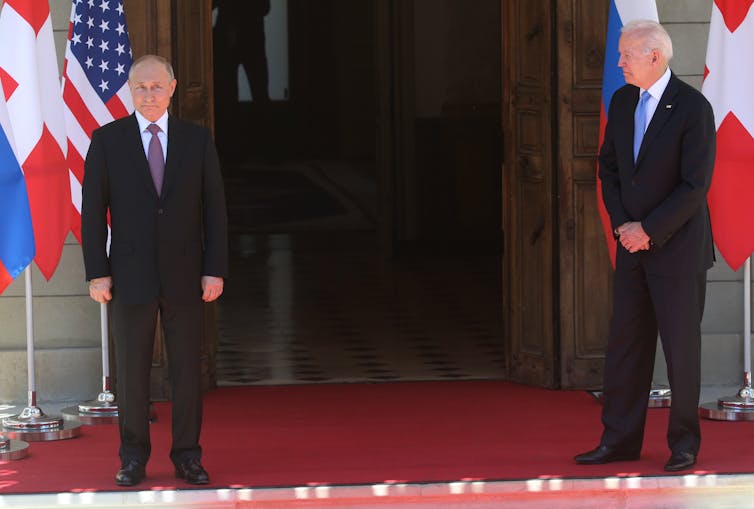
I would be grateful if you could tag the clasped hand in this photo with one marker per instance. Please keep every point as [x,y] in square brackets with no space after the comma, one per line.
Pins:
[633,237]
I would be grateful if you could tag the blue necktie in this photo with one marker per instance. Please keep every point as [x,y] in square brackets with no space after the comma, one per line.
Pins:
[640,122]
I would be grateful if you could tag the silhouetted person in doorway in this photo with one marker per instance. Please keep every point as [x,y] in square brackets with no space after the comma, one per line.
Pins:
[239,39]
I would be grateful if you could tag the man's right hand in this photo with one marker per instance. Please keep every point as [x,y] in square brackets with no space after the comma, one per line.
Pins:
[633,237]
[99,289]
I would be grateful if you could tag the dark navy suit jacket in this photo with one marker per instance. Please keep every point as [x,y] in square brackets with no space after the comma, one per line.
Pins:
[666,188]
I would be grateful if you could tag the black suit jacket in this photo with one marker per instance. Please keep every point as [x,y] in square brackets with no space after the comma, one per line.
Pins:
[666,188]
[161,245]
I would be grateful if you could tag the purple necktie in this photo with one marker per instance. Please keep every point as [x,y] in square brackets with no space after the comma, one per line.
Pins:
[155,157]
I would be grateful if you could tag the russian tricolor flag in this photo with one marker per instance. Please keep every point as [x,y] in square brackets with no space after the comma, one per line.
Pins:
[621,12]
[16,234]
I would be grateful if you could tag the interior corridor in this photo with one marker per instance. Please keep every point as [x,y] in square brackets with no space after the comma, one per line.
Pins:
[332,118]
[312,300]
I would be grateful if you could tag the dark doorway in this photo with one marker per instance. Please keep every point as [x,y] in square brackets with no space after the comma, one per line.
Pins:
[317,293]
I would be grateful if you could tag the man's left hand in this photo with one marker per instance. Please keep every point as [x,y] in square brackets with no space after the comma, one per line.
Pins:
[633,237]
[212,288]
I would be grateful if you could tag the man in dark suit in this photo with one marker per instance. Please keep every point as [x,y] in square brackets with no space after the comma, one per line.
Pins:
[159,178]
[656,167]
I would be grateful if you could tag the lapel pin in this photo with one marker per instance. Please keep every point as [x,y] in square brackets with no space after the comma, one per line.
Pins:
[668,106]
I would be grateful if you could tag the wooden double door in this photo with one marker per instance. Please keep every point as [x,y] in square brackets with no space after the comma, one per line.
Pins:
[557,296]
[556,275]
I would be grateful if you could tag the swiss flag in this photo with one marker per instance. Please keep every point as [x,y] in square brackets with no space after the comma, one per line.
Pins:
[31,84]
[729,86]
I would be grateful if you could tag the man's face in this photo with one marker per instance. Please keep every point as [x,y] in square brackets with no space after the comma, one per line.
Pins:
[639,68]
[151,89]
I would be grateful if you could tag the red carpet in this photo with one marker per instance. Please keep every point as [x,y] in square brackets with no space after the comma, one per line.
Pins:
[361,434]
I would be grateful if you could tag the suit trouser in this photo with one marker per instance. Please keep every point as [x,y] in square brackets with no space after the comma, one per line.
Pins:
[643,305]
[134,330]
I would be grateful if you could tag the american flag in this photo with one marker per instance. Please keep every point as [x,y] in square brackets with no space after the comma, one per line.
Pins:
[95,90]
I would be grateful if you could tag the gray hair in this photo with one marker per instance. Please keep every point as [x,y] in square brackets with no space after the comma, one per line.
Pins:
[152,58]
[653,35]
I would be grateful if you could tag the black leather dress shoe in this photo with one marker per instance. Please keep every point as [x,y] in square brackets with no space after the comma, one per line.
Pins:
[604,454]
[192,472]
[130,473]
[680,461]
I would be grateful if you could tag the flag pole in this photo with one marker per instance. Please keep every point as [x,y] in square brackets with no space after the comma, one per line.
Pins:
[31,374]
[740,406]
[32,423]
[105,354]
[14,449]
[104,409]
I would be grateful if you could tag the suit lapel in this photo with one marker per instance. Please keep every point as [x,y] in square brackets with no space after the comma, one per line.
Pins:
[173,162]
[661,116]
[624,127]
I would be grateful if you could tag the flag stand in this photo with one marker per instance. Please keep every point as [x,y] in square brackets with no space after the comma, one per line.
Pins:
[660,396]
[739,407]
[104,409]
[32,423]
[13,449]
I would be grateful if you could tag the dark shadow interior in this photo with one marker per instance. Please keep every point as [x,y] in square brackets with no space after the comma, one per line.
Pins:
[316,294]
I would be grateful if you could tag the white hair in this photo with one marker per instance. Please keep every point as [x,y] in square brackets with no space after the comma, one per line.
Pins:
[652,34]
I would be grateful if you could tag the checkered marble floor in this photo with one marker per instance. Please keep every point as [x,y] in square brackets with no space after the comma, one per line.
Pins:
[319,307]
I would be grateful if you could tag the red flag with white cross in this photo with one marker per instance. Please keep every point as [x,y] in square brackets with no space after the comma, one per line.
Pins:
[31,83]
[729,86]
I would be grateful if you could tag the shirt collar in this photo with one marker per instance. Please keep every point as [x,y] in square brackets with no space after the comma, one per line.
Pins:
[658,87]
[162,122]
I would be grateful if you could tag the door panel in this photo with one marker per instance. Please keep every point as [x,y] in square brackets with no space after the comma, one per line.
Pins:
[192,61]
[585,273]
[528,206]
[149,27]
[191,49]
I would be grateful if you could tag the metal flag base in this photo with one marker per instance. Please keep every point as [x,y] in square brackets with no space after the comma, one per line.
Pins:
[739,407]
[13,449]
[659,397]
[34,425]
[103,410]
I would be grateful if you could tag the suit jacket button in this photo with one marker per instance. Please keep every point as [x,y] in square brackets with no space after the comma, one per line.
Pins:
[159,211]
